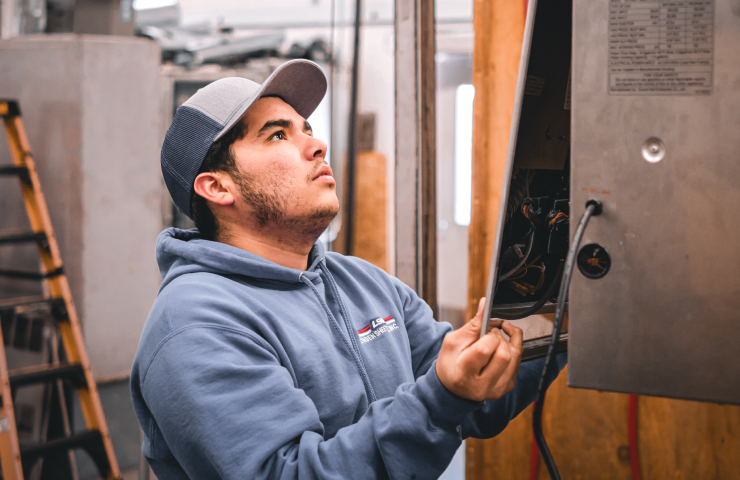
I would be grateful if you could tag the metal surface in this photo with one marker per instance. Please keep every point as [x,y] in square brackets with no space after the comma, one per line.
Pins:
[653,150]
[538,347]
[415,148]
[664,320]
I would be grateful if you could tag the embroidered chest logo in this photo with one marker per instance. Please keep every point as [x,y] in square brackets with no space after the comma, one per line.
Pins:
[377,327]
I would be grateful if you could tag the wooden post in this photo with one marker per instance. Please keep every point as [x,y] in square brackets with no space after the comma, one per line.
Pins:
[499,33]
[499,27]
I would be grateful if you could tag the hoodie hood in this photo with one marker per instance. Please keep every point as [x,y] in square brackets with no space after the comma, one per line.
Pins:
[181,252]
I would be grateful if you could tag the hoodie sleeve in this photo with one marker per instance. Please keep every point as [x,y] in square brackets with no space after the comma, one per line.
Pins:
[245,418]
[426,336]
[495,415]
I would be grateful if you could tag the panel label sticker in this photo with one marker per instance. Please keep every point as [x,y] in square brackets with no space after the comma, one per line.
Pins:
[661,47]
[534,85]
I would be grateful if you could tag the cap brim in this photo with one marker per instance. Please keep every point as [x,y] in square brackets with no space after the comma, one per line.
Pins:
[301,84]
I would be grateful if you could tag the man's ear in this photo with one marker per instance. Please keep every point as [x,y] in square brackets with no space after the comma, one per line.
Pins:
[213,186]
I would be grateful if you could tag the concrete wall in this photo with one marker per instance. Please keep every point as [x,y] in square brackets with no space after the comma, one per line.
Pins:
[103,17]
[90,106]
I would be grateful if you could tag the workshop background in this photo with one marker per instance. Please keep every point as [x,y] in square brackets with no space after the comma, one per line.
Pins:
[430,86]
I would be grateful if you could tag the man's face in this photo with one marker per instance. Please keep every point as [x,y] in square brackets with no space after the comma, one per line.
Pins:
[284,177]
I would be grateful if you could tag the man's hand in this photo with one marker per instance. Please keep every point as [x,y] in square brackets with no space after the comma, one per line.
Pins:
[480,368]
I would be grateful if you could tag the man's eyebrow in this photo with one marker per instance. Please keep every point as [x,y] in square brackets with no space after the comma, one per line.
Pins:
[282,123]
[307,126]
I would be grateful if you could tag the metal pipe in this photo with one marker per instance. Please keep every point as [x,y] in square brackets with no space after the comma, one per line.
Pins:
[415,203]
[352,135]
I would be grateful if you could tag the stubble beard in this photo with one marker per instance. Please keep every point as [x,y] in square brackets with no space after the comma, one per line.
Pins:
[269,204]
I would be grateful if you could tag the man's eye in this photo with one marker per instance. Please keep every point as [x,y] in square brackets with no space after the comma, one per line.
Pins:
[277,136]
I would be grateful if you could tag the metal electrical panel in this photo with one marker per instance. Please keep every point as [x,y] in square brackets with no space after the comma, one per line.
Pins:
[635,103]
[655,135]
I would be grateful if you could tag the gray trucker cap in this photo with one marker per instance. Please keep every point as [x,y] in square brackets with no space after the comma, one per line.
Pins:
[217,107]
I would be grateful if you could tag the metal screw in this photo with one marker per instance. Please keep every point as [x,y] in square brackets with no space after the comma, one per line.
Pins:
[653,150]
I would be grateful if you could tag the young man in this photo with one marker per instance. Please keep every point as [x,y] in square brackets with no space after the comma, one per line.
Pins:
[265,356]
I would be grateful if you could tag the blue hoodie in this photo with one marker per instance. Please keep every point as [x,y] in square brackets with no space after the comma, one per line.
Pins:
[250,370]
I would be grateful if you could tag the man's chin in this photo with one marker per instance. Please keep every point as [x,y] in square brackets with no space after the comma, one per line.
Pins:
[323,216]
[311,224]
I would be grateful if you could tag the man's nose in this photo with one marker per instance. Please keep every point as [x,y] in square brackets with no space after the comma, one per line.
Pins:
[316,148]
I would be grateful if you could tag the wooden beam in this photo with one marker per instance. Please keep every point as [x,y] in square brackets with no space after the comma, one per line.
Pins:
[369,240]
[499,27]
[499,32]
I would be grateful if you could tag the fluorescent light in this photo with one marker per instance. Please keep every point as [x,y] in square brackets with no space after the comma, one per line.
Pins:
[463,153]
[147,4]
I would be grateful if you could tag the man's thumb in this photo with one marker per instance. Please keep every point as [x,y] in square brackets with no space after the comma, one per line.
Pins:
[474,324]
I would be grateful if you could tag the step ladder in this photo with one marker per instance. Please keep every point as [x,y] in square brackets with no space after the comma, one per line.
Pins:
[74,370]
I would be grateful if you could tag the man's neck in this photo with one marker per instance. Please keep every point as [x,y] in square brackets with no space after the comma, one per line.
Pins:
[278,247]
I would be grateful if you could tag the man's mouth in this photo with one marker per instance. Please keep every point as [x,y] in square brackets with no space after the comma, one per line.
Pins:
[324,173]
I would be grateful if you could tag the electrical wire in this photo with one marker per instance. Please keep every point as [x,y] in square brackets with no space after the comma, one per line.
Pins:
[593,207]
[518,314]
[523,270]
[560,217]
[521,262]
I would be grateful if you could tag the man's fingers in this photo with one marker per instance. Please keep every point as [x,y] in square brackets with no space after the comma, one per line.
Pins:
[504,351]
[480,368]
[511,374]
[507,382]
[499,363]
[477,356]
[515,333]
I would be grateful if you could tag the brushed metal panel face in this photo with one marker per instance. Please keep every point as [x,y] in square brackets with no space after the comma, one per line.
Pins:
[665,320]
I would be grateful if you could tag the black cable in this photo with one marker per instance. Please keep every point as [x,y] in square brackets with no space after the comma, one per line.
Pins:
[332,141]
[521,262]
[530,235]
[519,314]
[593,207]
[352,135]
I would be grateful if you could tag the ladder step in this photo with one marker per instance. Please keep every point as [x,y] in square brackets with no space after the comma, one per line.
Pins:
[30,237]
[12,170]
[9,108]
[91,441]
[46,373]
[21,275]
[31,303]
